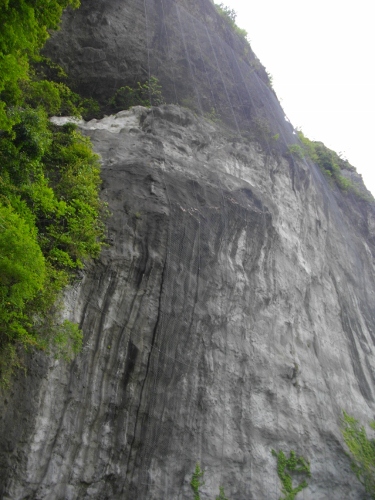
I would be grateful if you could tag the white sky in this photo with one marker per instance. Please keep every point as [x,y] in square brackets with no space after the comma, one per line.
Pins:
[321,57]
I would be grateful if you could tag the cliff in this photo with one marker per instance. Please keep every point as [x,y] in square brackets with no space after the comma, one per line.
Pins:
[199,60]
[232,312]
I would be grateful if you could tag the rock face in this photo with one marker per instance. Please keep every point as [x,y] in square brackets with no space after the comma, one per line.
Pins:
[200,61]
[232,313]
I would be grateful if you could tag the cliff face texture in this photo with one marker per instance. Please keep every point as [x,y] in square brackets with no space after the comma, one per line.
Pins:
[232,312]
[200,62]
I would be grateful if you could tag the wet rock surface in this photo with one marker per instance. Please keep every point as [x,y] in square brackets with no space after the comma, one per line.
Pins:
[231,314]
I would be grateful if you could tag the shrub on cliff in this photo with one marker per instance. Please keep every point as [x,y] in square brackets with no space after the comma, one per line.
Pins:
[362,451]
[329,162]
[289,469]
[142,94]
[49,183]
[230,16]
[22,273]
[24,28]
[197,481]
[50,211]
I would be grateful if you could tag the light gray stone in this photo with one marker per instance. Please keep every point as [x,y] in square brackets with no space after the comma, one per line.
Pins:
[230,315]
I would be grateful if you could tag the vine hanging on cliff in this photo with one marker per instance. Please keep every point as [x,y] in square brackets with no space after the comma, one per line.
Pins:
[287,466]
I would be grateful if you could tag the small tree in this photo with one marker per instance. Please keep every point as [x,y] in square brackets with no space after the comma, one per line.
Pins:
[197,481]
[362,451]
[230,16]
[228,12]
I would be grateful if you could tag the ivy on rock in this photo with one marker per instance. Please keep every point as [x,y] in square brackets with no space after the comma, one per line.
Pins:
[286,467]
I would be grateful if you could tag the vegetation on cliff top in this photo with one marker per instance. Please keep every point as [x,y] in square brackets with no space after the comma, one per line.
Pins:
[50,212]
[330,163]
[230,16]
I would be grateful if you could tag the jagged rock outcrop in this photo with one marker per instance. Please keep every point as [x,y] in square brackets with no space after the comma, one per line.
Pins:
[232,313]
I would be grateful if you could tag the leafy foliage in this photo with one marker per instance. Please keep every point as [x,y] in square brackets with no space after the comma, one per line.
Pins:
[73,231]
[297,151]
[226,11]
[22,274]
[197,481]
[24,28]
[362,451]
[221,495]
[295,465]
[330,163]
[143,94]
[55,98]
[270,80]
[47,86]
[49,182]
[50,212]
[67,340]
[230,16]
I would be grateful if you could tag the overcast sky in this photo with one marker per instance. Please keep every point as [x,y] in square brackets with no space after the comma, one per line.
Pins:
[321,57]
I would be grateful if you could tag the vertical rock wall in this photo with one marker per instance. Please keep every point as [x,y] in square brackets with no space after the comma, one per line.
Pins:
[200,62]
[232,314]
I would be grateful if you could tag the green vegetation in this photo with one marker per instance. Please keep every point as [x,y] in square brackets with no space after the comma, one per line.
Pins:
[270,80]
[50,212]
[197,481]
[362,451]
[230,16]
[295,465]
[262,133]
[329,162]
[67,340]
[25,26]
[297,151]
[213,116]
[221,495]
[143,94]
[47,87]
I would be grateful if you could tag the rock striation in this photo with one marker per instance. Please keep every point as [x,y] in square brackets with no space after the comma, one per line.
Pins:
[232,312]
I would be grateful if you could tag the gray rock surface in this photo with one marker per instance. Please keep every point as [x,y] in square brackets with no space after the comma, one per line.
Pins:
[201,63]
[231,314]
